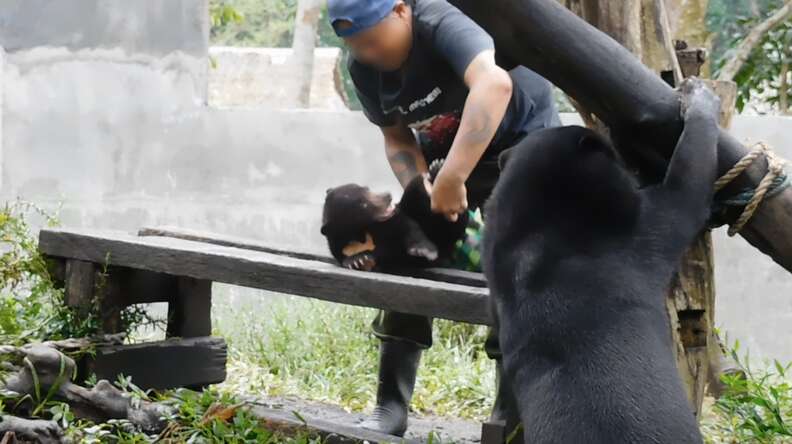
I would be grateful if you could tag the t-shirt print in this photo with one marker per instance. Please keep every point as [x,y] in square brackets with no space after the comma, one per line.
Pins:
[439,130]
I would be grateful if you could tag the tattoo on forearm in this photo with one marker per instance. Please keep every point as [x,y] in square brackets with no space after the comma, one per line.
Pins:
[404,165]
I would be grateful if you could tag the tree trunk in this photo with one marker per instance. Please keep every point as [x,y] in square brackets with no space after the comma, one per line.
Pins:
[690,303]
[305,29]
[641,110]
[741,54]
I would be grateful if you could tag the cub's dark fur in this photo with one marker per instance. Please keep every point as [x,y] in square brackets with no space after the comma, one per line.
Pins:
[579,261]
[364,231]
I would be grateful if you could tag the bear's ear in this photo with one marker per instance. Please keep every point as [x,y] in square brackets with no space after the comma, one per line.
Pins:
[503,158]
[326,229]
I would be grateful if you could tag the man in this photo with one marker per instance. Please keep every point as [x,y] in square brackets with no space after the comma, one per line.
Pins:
[426,75]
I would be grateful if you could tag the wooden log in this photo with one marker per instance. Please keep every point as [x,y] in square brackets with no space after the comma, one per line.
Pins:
[642,111]
[437,274]
[168,364]
[40,431]
[50,372]
[691,299]
[690,306]
[272,272]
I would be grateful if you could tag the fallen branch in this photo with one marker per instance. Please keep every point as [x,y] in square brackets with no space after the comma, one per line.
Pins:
[13,429]
[46,375]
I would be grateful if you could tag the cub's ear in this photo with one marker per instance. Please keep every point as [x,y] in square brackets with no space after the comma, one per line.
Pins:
[503,158]
[326,229]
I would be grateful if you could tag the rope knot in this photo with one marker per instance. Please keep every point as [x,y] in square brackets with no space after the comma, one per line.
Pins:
[774,181]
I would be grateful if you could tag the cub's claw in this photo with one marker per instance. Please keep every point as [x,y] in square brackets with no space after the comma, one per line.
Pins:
[428,252]
[360,262]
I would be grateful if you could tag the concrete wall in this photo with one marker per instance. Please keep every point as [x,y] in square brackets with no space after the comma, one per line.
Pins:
[103,109]
[262,77]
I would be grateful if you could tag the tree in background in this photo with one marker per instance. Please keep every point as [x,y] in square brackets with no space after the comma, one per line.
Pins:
[270,23]
[753,47]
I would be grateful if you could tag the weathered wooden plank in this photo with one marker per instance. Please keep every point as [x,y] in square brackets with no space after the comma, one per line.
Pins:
[273,272]
[436,274]
[190,309]
[330,432]
[165,364]
[229,241]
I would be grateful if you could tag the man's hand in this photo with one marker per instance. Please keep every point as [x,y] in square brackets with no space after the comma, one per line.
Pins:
[449,196]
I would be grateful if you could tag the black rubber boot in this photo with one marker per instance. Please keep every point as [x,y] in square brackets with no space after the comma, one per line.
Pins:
[504,410]
[397,370]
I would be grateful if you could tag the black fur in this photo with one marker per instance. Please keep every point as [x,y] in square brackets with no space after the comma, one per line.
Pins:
[579,262]
[408,235]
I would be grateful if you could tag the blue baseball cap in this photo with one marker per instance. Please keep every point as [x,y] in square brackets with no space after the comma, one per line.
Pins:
[361,14]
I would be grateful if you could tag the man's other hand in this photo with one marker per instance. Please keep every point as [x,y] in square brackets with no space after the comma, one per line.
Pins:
[449,196]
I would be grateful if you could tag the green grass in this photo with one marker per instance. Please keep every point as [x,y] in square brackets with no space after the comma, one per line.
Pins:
[326,352]
[288,346]
[756,408]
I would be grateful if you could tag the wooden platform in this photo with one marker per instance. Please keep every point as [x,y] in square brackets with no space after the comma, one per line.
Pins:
[314,278]
[116,269]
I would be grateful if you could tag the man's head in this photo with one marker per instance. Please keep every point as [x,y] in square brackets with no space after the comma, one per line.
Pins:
[378,32]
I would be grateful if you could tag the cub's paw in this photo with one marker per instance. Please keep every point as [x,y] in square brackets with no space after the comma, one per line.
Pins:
[697,97]
[360,262]
[426,251]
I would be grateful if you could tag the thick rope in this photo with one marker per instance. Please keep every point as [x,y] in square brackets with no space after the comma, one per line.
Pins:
[774,181]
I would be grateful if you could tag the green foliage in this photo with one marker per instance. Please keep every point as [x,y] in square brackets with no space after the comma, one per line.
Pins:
[266,23]
[198,417]
[222,15]
[32,308]
[756,407]
[325,352]
[210,416]
[760,77]
[25,286]
[723,20]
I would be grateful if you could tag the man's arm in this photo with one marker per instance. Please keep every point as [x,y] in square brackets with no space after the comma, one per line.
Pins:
[404,154]
[490,92]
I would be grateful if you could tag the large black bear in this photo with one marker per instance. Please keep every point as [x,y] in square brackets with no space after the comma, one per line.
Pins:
[579,261]
[366,232]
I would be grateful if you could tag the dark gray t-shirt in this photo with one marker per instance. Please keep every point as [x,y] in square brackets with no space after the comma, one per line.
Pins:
[428,93]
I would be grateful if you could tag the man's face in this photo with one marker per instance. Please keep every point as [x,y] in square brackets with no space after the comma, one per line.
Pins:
[386,45]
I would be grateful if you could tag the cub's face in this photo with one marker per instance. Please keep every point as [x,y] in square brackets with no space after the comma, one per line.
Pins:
[351,207]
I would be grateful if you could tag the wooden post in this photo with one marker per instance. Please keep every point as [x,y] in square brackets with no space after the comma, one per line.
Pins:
[189,311]
[691,301]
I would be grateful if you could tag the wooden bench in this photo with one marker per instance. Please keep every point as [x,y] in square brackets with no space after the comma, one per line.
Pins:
[117,269]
